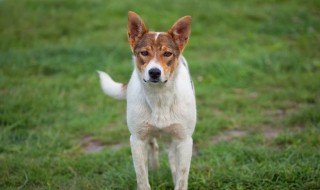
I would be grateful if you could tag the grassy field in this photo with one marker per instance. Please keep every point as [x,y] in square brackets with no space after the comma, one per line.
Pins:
[255,65]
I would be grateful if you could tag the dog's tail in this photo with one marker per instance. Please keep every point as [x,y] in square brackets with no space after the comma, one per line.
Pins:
[112,88]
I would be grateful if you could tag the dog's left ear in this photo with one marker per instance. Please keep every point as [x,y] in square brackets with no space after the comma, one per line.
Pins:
[180,32]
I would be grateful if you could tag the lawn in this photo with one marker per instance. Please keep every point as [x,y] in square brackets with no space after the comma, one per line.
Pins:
[256,69]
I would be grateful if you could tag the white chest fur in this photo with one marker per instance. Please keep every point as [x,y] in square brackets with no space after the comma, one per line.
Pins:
[161,107]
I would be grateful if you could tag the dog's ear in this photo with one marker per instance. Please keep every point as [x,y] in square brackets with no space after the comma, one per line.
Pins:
[180,31]
[136,28]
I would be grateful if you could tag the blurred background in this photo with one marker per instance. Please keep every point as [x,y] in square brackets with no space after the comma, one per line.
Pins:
[256,69]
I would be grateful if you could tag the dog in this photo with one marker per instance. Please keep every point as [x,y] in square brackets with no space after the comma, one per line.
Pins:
[160,98]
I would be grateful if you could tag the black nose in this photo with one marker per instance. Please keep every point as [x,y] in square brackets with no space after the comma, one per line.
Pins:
[154,73]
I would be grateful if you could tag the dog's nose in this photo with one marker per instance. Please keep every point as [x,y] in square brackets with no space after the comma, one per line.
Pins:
[154,73]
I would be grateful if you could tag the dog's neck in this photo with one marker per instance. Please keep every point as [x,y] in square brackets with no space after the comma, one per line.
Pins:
[162,96]
[161,99]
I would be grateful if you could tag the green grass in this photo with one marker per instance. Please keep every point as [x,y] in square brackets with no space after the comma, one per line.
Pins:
[255,64]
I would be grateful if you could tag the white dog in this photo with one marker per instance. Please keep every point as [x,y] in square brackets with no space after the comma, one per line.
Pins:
[160,98]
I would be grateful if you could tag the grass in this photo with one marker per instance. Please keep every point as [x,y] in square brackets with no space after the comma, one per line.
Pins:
[256,68]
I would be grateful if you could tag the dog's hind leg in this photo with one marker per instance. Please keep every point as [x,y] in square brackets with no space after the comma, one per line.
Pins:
[153,153]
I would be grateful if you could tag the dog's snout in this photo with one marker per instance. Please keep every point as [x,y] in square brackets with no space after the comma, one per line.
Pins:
[154,73]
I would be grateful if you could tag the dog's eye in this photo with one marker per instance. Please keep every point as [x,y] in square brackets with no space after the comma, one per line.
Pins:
[144,53]
[167,54]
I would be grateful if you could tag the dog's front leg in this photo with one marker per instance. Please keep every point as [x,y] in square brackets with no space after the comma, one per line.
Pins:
[140,161]
[183,160]
[172,160]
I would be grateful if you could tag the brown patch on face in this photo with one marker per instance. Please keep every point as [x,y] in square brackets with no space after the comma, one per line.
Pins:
[144,51]
[160,47]
[168,53]
[165,48]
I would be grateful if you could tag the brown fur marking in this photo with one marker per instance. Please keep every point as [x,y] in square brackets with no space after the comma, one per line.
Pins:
[156,49]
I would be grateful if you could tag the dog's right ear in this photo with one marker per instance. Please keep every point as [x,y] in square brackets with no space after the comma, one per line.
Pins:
[136,29]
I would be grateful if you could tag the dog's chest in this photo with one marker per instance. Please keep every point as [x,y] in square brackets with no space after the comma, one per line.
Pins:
[164,117]
[164,109]
[153,109]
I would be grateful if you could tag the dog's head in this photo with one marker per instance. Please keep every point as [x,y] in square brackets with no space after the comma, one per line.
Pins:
[157,54]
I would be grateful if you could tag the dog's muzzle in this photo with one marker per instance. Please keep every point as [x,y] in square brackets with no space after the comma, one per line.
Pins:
[154,74]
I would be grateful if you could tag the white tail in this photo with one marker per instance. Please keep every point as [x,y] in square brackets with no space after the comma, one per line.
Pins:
[112,88]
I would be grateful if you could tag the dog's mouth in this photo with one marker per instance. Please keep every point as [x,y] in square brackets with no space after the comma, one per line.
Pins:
[154,81]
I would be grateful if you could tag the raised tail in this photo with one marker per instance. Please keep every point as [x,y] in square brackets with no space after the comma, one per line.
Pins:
[112,88]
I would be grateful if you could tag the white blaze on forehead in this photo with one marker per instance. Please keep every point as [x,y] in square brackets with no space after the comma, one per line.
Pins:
[156,36]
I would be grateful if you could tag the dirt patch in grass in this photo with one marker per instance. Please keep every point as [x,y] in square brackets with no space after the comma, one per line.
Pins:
[115,146]
[91,145]
[229,135]
[269,132]
[276,114]
[279,114]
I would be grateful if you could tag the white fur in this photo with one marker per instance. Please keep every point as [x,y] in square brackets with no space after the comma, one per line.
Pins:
[156,36]
[110,87]
[162,108]
[154,64]
[153,109]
